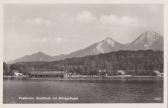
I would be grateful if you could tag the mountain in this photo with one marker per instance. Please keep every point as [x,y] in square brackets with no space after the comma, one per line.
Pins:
[104,46]
[39,56]
[146,41]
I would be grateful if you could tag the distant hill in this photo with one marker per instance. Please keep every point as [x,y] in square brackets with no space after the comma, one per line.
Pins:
[146,41]
[39,56]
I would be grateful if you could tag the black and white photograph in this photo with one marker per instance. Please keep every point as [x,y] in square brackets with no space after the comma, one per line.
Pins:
[83,53]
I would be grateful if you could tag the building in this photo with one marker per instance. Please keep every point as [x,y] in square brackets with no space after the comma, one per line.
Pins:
[121,72]
[158,74]
[102,73]
[47,74]
[16,73]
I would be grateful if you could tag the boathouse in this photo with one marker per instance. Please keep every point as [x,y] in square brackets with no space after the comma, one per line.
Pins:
[47,74]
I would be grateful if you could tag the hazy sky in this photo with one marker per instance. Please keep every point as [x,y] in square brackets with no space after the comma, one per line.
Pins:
[62,28]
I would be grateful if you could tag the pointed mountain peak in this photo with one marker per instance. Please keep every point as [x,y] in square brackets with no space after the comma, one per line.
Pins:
[151,34]
[148,36]
[110,41]
[148,40]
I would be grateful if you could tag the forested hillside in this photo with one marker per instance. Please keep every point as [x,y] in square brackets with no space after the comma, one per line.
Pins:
[133,62]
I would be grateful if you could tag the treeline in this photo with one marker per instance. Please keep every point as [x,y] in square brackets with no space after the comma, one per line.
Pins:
[9,69]
[132,62]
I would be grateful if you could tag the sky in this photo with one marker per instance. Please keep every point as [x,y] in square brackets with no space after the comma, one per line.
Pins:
[63,28]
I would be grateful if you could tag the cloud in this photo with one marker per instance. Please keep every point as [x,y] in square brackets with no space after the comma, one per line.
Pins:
[58,40]
[113,19]
[86,17]
[38,22]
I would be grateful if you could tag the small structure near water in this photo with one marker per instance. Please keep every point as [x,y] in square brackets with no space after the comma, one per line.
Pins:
[16,73]
[122,73]
[102,73]
[158,74]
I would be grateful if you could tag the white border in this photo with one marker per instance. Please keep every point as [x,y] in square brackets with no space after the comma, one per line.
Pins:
[118,105]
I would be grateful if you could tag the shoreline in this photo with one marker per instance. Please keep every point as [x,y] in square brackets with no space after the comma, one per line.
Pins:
[96,78]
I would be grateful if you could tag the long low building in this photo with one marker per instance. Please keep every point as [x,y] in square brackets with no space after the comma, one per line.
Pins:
[47,74]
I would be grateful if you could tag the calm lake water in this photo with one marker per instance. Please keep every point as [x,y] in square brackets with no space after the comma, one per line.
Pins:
[114,91]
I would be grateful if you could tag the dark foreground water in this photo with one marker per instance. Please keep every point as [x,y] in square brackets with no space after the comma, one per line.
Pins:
[48,91]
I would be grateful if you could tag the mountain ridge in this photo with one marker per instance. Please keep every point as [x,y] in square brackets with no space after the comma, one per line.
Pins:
[146,41]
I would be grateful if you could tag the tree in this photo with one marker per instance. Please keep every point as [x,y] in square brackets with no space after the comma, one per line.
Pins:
[5,69]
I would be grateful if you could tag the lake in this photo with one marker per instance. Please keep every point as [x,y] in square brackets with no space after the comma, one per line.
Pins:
[74,91]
